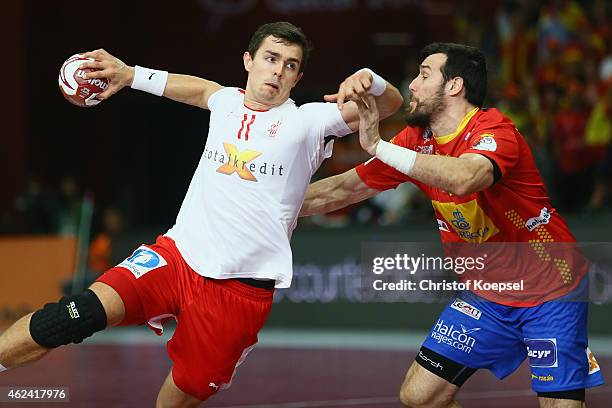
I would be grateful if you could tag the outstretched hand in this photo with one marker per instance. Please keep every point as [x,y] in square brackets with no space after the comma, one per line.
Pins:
[368,124]
[353,88]
[118,74]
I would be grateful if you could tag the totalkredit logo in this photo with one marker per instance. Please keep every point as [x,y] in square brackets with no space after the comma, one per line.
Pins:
[237,162]
[234,161]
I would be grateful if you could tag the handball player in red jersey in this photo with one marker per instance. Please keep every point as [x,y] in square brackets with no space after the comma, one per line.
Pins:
[485,189]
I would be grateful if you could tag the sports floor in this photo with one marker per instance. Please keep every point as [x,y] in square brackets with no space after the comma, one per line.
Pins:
[125,367]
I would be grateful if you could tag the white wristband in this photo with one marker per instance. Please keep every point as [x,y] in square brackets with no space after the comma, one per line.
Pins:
[395,156]
[149,80]
[379,85]
[2,368]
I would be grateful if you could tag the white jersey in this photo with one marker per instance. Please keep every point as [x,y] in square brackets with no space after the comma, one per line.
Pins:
[243,201]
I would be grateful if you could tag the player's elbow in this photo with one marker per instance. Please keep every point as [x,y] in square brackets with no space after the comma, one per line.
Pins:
[318,197]
[470,182]
[462,187]
[457,190]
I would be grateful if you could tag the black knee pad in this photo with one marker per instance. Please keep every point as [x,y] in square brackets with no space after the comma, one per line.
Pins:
[71,320]
[576,395]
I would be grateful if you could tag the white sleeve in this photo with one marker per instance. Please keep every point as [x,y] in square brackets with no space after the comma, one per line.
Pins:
[218,98]
[325,119]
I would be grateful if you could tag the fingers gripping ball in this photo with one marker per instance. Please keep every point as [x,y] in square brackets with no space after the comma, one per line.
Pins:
[76,89]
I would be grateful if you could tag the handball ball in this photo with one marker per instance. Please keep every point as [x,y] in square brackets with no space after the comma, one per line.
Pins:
[77,90]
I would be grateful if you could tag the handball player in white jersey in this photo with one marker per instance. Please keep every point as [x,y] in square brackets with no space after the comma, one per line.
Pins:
[216,269]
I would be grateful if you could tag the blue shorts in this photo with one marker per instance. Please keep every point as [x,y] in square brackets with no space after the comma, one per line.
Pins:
[481,334]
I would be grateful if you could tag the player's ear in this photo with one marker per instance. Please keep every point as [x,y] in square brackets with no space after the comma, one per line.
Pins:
[247,60]
[455,85]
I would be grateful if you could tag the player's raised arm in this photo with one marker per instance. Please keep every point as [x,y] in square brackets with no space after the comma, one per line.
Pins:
[461,176]
[356,87]
[335,192]
[181,88]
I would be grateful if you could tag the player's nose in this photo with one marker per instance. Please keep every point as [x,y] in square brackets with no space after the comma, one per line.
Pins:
[278,70]
[412,86]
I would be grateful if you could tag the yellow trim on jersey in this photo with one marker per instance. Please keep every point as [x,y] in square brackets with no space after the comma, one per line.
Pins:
[460,128]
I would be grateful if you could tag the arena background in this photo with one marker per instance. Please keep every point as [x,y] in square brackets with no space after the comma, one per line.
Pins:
[83,187]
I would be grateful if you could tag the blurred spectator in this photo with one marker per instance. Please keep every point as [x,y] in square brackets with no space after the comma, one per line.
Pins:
[573,164]
[549,71]
[469,27]
[100,250]
[68,208]
[548,108]
[517,41]
[598,139]
[605,68]
[34,209]
[559,20]
[514,105]
[598,27]
[544,118]
[601,197]
[100,254]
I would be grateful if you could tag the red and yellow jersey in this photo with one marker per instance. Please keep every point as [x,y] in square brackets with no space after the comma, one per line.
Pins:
[515,209]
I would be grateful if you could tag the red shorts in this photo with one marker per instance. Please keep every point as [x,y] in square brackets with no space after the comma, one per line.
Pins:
[217,320]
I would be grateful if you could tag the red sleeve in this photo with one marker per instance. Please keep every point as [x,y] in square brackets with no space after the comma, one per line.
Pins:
[497,143]
[378,175]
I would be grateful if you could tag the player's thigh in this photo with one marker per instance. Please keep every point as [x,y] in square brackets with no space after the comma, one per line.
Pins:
[555,335]
[171,396]
[147,283]
[473,333]
[422,388]
[111,301]
[215,333]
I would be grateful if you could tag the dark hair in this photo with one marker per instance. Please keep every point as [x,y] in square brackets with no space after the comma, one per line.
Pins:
[466,62]
[284,31]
